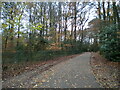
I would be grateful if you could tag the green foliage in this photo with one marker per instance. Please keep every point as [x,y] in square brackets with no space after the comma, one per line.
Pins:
[26,55]
[94,47]
[110,42]
[75,47]
[37,27]
[4,25]
[47,54]
[40,44]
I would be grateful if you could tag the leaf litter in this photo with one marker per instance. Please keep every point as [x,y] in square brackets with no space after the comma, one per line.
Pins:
[106,72]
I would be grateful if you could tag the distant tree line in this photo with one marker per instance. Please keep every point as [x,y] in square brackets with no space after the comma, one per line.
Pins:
[31,28]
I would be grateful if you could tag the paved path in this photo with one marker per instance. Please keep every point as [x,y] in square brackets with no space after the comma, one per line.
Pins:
[73,73]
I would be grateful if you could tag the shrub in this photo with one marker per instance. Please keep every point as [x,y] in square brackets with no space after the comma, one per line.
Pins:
[110,42]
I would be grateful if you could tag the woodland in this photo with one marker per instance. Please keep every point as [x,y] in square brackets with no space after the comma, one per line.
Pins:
[39,31]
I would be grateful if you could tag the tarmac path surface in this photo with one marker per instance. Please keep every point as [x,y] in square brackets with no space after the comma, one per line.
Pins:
[72,73]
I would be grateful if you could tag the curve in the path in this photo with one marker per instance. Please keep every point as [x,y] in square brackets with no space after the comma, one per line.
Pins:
[73,73]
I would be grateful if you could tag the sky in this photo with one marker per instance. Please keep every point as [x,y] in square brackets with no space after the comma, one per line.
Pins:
[92,15]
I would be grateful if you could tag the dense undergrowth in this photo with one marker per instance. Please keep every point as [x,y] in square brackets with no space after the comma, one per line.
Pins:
[110,42]
[24,56]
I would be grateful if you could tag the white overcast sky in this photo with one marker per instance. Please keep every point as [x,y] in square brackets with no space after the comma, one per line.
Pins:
[92,15]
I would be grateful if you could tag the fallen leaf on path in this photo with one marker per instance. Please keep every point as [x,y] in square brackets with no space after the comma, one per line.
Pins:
[35,86]
[43,80]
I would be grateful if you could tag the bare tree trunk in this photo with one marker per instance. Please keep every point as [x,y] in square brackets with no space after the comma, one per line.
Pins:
[50,24]
[59,15]
[75,17]
[116,15]
[6,39]
[65,29]
[44,19]
[108,10]
[99,10]
[104,15]
[41,31]
[18,36]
